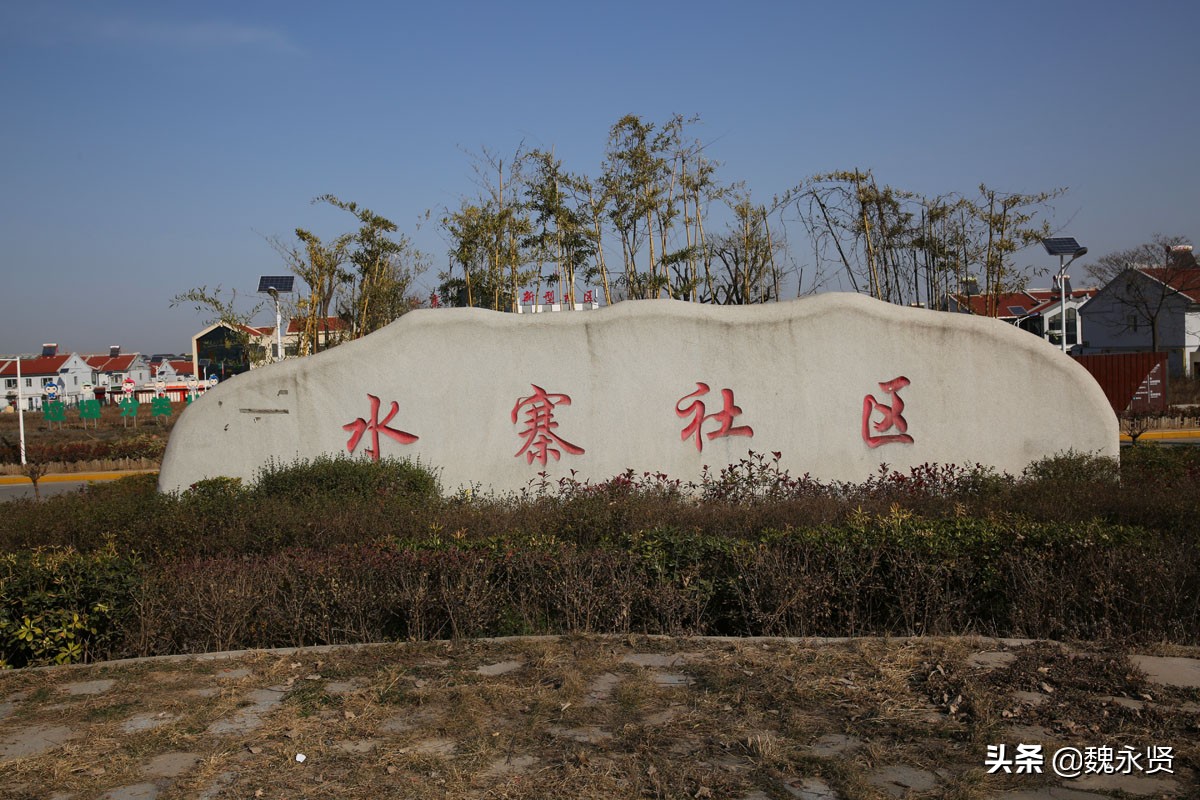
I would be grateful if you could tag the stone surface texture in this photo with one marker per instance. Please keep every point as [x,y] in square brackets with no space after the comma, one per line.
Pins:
[800,372]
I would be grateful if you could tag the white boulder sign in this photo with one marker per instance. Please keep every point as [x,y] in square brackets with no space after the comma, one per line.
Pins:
[838,384]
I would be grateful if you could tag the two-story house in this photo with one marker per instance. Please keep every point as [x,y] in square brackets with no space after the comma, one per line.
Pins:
[1150,309]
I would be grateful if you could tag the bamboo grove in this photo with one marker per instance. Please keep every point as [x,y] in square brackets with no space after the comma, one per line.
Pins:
[655,220]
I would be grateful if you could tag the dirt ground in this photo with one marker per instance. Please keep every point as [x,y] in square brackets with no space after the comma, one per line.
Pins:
[110,427]
[611,717]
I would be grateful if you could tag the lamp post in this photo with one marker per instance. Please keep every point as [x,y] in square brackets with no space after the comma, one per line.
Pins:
[20,410]
[276,285]
[1062,247]
[278,323]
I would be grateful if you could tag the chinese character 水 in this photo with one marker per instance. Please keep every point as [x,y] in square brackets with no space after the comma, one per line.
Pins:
[376,426]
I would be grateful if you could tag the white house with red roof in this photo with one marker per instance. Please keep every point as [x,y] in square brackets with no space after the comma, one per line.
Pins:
[69,372]
[1038,311]
[110,371]
[1150,309]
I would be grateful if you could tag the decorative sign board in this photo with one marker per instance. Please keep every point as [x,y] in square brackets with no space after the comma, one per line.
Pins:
[837,384]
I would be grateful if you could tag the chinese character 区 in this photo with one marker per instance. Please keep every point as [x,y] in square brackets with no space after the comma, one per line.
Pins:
[892,416]
[376,426]
[724,417]
[539,426]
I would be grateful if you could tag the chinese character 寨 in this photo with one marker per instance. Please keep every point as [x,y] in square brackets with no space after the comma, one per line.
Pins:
[376,426]
[539,426]
[724,417]
[892,416]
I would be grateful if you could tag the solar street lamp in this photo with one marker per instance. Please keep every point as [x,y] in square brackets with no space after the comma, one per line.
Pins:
[1062,247]
[274,285]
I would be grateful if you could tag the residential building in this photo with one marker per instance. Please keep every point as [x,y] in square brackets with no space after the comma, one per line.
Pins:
[329,331]
[70,373]
[1039,311]
[110,371]
[224,350]
[1150,309]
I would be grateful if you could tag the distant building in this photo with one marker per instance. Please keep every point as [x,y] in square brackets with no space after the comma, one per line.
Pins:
[110,371]
[69,372]
[1038,311]
[1150,309]
[224,351]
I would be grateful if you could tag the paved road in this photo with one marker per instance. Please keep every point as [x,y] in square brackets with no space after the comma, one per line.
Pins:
[15,486]
[17,490]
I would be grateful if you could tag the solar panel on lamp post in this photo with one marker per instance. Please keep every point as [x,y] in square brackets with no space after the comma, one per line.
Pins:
[274,285]
[1063,246]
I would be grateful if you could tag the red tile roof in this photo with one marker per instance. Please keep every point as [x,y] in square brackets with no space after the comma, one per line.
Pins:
[329,323]
[1185,281]
[102,363]
[978,303]
[181,368]
[47,365]
[1031,301]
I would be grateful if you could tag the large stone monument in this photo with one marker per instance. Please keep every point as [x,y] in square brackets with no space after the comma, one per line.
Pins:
[837,383]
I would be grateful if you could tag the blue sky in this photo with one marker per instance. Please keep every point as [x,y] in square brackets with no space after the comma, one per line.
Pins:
[149,147]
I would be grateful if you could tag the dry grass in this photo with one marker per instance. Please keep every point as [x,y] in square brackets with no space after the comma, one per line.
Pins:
[586,717]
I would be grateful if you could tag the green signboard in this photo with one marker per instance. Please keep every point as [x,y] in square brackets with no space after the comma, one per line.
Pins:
[89,409]
[54,411]
[160,407]
[129,409]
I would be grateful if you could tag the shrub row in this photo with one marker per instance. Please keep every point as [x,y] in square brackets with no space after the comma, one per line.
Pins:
[147,446]
[341,550]
[891,575]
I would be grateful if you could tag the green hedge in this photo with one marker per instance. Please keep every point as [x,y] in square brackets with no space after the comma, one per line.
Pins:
[338,551]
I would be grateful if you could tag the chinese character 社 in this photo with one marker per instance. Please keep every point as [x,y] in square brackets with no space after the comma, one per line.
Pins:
[723,418]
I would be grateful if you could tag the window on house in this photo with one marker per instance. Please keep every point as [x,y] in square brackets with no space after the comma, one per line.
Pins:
[1133,322]
[29,383]
[10,383]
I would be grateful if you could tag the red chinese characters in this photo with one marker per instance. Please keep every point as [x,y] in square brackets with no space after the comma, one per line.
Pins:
[588,296]
[527,297]
[549,298]
[375,427]
[435,301]
[891,416]
[723,418]
[541,441]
